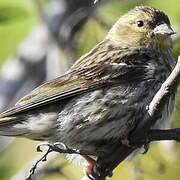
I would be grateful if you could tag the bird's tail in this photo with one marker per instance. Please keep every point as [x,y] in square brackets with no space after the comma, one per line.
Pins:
[10,126]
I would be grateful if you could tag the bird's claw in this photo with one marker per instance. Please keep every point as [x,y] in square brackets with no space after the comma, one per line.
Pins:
[146,148]
[99,174]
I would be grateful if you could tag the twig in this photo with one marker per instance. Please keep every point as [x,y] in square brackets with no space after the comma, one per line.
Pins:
[57,147]
[160,135]
[23,173]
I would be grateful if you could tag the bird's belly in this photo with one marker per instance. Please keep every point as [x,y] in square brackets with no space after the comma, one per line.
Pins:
[36,126]
[107,114]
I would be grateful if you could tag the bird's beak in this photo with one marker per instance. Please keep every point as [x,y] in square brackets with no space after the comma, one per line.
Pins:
[163,29]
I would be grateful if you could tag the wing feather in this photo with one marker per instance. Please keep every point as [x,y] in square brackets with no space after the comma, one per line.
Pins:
[77,81]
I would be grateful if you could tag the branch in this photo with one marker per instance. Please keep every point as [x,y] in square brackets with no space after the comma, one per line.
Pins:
[160,135]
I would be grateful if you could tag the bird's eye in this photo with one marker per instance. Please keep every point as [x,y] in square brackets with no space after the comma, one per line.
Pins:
[140,23]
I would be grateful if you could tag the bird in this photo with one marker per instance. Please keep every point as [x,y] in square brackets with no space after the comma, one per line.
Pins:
[100,100]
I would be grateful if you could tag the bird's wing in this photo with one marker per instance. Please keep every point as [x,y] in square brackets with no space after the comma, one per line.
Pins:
[75,82]
[56,89]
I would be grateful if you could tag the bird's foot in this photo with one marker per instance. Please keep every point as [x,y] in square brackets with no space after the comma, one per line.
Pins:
[89,168]
[94,171]
[146,148]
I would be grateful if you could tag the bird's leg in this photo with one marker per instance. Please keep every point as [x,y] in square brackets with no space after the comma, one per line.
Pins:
[146,147]
[91,169]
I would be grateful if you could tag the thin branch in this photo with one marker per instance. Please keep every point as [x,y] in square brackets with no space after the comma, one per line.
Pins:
[161,135]
[22,174]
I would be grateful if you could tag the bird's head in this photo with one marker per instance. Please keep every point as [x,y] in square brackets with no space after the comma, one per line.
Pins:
[142,26]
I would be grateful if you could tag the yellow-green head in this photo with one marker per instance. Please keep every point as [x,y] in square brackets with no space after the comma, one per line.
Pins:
[142,26]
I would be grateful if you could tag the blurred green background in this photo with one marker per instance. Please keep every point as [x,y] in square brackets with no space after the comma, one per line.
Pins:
[17,18]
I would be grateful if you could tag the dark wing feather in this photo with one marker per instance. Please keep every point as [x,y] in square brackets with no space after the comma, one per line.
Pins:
[57,89]
[77,81]
[73,84]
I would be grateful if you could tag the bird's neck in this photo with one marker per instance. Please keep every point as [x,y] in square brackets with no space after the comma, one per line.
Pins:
[162,45]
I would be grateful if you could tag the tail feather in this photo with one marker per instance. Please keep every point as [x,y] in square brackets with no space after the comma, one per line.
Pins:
[7,120]
[8,127]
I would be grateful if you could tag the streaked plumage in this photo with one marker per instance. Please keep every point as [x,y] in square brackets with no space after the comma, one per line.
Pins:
[99,101]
